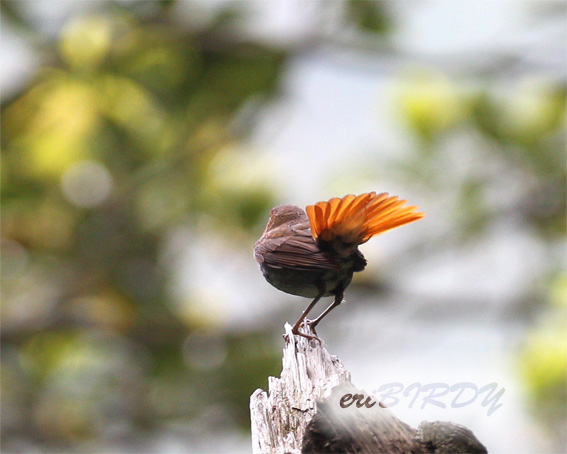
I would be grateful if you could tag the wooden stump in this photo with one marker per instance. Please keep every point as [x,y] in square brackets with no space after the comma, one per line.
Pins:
[314,408]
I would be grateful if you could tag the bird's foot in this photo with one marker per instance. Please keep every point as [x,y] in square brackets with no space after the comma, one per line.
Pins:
[307,336]
[312,324]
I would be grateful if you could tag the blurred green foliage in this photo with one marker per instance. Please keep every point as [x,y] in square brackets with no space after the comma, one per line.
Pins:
[125,132]
[128,129]
[543,362]
[369,16]
[517,131]
[518,176]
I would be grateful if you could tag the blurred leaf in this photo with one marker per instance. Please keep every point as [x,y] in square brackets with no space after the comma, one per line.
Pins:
[544,361]
[12,13]
[472,213]
[237,188]
[249,364]
[430,104]
[85,42]
[371,16]
[536,109]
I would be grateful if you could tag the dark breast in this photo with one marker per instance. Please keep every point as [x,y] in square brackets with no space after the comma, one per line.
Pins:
[307,283]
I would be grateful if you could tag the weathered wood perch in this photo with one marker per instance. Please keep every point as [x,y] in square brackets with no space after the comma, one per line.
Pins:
[302,413]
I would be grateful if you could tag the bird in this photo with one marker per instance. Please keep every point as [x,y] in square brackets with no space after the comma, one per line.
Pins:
[314,252]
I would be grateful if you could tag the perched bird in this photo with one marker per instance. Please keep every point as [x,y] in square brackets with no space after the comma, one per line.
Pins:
[314,253]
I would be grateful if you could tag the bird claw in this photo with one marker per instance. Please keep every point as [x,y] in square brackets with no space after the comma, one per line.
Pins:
[311,324]
[307,336]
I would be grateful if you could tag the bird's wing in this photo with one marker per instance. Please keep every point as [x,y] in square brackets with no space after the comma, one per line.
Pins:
[295,249]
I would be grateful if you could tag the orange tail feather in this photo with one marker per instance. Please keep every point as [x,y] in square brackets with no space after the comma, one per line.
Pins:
[356,219]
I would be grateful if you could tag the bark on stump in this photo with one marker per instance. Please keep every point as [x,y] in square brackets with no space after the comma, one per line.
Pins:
[301,413]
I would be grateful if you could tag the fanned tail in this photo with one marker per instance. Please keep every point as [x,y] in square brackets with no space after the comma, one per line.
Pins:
[353,220]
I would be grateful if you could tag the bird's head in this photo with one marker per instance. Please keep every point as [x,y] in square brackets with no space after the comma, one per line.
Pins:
[285,214]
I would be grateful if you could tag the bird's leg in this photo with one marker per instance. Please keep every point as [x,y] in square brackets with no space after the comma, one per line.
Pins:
[337,302]
[295,329]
